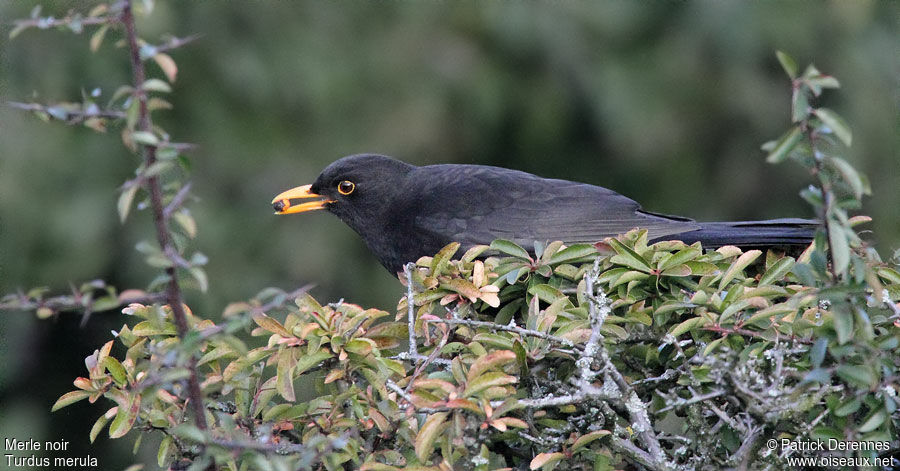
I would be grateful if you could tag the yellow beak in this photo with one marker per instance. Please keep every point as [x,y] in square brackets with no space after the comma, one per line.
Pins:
[282,202]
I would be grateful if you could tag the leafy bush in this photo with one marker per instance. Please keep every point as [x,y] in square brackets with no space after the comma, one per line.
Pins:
[618,354]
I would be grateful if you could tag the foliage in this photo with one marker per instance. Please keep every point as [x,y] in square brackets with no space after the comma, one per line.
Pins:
[661,356]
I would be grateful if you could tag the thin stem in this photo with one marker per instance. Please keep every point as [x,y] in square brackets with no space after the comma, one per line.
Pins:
[506,328]
[173,290]
[72,116]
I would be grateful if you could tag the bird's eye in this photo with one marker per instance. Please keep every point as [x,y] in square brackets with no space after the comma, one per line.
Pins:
[346,187]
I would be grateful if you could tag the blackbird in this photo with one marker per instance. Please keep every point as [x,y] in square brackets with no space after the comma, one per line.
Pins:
[403,212]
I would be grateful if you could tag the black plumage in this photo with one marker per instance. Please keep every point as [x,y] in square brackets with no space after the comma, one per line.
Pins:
[403,212]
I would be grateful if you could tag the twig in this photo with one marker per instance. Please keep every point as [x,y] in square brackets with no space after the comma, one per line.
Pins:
[505,328]
[686,402]
[72,116]
[743,456]
[73,303]
[275,303]
[431,357]
[410,310]
[175,42]
[418,357]
[50,22]
[177,201]
[173,290]
[626,447]
[409,400]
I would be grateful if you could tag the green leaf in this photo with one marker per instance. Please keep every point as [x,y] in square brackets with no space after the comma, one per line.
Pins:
[17,30]
[285,374]
[488,380]
[147,329]
[144,137]
[819,82]
[308,361]
[163,454]
[817,352]
[199,276]
[98,427]
[116,370]
[271,324]
[156,85]
[473,253]
[186,221]
[424,442]
[781,309]
[361,346]
[97,37]
[843,325]
[510,248]
[873,422]
[672,306]
[521,358]
[712,346]
[490,361]
[742,262]
[546,461]
[132,113]
[125,200]
[840,246]
[848,407]
[157,168]
[733,309]
[70,397]
[800,105]
[125,418]
[687,325]
[836,123]
[439,262]
[788,64]
[546,293]
[572,253]
[678,258]
[588,438]
[628,257]
[463,288]
[784,146]
[850,175]
[777,271]
[189,432]
[860,375]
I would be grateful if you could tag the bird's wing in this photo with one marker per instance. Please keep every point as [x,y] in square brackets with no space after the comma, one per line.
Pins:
[477,204]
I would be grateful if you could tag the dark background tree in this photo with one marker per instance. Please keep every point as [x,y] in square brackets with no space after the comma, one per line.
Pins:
[666,103]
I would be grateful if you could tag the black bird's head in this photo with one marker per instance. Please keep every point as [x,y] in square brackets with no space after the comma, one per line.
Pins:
[357,189]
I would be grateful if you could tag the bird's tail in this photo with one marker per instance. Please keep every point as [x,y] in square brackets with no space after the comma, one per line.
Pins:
[772,232]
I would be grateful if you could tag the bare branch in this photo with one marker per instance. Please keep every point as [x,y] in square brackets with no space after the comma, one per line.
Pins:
[50,22]
[72,116]
[175,42]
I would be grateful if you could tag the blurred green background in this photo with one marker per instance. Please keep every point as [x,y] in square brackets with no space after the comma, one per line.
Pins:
[666,102]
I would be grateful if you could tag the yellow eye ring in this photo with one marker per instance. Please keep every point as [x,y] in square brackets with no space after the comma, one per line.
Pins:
[346,187]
